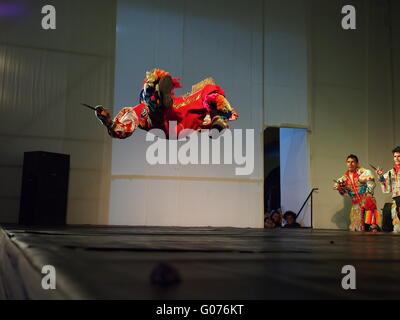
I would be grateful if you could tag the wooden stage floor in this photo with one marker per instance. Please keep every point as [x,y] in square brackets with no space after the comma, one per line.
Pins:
[212,263]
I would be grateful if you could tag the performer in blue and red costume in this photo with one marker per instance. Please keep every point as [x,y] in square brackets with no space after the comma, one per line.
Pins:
[205,107]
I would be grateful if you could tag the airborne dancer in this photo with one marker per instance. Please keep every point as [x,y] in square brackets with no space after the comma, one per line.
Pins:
[205,107]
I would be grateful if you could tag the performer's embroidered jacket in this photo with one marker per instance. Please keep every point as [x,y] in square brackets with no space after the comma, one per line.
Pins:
[360,188]
[390,182]
[358,185]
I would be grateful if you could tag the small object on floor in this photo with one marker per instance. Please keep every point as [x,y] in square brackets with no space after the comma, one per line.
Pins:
[165,275]
[332,242]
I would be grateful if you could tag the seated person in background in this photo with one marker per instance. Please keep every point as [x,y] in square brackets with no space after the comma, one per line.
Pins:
[290,218]
[267,218]
[275,220]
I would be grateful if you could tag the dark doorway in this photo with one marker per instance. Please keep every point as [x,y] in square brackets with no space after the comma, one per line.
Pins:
[272,174]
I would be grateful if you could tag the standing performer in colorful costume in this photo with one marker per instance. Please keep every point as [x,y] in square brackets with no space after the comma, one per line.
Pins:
[359,184]
[205,107]
[390,183]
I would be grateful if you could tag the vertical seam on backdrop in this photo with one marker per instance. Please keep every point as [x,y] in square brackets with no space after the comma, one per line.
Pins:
[392,80]
[367,96]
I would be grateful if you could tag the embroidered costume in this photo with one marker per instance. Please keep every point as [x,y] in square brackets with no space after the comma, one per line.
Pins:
[359,186]
[205,107]
[390,183]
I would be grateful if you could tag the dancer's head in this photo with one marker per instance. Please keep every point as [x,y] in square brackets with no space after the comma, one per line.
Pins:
[352,163]
[396,156]
[275,217]
[290,217]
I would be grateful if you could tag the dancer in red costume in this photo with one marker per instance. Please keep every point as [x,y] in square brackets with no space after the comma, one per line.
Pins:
[359,184]
[205,107]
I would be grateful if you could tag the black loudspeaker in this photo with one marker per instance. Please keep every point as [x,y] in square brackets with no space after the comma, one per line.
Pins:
[44,189]
[387,223]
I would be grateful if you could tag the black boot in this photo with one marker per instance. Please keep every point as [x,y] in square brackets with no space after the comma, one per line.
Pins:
[165,86]
[218,123]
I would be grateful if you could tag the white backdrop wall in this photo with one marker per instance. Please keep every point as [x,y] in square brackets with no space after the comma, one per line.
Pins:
[353,98]
[395,58]
[343,86]
[286,101]
[192,40]
[282,63]
[44,75]
[286,64]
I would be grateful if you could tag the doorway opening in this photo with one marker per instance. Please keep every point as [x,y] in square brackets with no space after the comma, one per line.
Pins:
[286,173]
[272,174]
